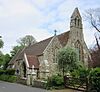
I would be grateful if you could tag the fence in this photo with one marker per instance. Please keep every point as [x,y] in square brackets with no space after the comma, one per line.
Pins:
[75,83]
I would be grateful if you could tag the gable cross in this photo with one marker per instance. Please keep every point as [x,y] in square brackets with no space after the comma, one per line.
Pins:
[55,32]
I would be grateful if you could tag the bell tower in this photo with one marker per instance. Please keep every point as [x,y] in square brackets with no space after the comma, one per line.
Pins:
[76,38]
[76,20]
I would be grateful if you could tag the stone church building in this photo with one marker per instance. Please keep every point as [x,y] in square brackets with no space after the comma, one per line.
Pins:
[39,59]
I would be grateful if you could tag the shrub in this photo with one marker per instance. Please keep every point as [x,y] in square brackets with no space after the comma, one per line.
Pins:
[2,72]
[10,72]
[55,81]
[95,79]
[8,78]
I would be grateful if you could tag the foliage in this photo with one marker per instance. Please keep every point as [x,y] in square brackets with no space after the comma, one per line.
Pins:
[15,50]
[1,59]
[10,71]
[4,60]
[1,43]
[7,58]
[95,79]
[7,72]
[22,42]
[8,75]
[90,76]
[2,72]
[55,81]
[8,78]
[27,40]
[67,59]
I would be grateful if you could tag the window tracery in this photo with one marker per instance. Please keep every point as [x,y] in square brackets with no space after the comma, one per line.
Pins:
[79,47]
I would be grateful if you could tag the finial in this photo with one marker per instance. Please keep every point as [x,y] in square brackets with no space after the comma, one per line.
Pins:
[55,32]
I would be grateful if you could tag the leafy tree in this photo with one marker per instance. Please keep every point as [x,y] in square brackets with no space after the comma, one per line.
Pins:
[27,40]
[1,60]
[23,42]
[67,59]
[1,43]
[15,50]
[7,58]
[4,60]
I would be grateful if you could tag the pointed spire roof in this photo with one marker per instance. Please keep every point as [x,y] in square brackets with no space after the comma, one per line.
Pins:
[76,13]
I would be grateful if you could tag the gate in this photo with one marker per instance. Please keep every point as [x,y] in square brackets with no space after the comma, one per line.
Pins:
[75,83]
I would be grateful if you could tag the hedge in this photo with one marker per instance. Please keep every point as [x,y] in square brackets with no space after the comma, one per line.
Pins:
[8,78]
[7,72]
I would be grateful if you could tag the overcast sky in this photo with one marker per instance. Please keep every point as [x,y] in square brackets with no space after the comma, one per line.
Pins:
[40,18]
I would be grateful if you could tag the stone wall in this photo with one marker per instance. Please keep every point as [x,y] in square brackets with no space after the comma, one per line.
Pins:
[75,35]
[49,64]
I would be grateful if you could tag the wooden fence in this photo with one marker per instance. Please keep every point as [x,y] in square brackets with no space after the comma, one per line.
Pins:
[75,83]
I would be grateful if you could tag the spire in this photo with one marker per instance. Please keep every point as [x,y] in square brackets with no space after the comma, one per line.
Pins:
[76,13]
[76,20]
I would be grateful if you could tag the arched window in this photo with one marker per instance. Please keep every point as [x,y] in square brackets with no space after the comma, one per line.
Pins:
[55,50]
[79,47]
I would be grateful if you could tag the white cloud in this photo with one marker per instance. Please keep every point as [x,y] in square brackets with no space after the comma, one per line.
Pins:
[38,18]
[11,40]
[15,8]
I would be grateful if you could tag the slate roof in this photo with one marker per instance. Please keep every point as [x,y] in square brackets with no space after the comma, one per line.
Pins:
[38,48]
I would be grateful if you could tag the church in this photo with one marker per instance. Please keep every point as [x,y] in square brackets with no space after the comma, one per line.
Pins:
[39,59]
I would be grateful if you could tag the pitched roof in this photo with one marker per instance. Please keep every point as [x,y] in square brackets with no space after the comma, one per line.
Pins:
[38,48]
[13,60]
[33,60]
[63,38]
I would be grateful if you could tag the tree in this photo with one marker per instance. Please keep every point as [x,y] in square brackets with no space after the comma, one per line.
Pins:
[95,54]
[4,60]
[15,50]
[23,42]
[27,40]
[1,43]
[67,59]
[93,17]
[7,58]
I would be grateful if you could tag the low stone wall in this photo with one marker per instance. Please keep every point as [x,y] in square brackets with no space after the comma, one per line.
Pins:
[22,81]
[39,83]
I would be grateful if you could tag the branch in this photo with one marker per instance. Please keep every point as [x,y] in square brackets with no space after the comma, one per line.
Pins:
[97,42]
[93,23]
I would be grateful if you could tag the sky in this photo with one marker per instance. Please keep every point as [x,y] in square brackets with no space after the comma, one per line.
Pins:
[40,18]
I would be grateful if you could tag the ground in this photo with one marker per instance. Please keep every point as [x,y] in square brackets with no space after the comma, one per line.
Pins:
[13,87]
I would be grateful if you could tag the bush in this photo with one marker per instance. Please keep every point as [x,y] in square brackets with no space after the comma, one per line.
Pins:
[8,75]
[55,81]
[10,72]
[95,79]
[7,72]
[8,78]
[2,72]
[92,76]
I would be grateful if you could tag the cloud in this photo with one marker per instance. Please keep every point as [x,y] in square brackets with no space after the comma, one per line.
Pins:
[9,8]
[39,18]
[11,40]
